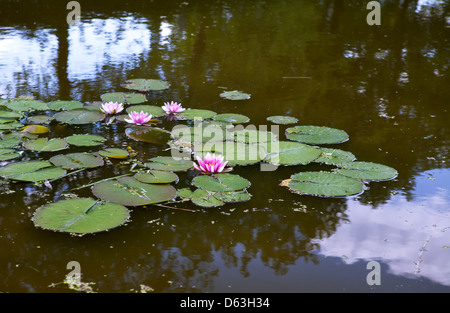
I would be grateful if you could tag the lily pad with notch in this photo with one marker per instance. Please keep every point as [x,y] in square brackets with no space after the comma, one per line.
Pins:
[78,160]
[124,97]
[316,134]
[368,171]
[79,116]
[148,134]
[235,95]
[46,145]
[334,156]
[85,140]
[156,177]
[168,163]
[221,182]
[233,118]
[282,119]
[31,171]
[64,105]
[80,216]
[143,84]
[291,153]
[192,114]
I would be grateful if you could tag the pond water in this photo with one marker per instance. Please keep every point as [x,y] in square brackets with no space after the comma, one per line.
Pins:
[319,61]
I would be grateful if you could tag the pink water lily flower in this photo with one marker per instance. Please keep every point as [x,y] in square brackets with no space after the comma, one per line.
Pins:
[138,118]
[211,164]
[111,107]
[172,108]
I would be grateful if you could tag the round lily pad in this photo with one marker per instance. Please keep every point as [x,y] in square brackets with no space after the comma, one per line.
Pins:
[131,192]
[334,156]
[236,153]
[325,184]
[10,114]
[316,134]
[235,95]
[45,145]
[9,142]
[291,153]
[197,134]
[253,136]
[19,105]
[205,199]
[115,153]
[154,110]
[85,140]
[167,163]
[367,171]
[142,84]
[232,118]
[284,120]
[77,160]
[63,105]
[221,182]
[80,216]
[191,114]
[124,97]
[35,129]
[156,177]
[31,171]
[79,116]
[8,154]
[40,119]
[232,196]
[153,135]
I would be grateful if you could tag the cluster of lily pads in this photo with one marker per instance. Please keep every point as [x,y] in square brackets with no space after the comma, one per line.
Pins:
[217,142]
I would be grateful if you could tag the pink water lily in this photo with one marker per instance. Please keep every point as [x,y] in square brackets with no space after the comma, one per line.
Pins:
[211,164]
[138,118]
[172,108]
[111,107]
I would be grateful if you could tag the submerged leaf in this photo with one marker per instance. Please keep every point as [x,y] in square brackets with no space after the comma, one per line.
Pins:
[235,95]
[284,120]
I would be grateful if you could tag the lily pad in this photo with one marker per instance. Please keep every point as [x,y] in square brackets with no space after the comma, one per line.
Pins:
[9,142]
[367,171]
[316,134]
[31,171]
[79,116]
[232,118]
[80,216]
[334,156]
[76,160]
[253,136]
[200,134]
[221,182]
[142,84]
[8,154]
[40,119]
[9,124]
[233,196]
[153,135]
[325,184]
[45,145]
[235,95]
[35,129]
[156,177]
[191,114]
[131,192]
[281,119]
[26,105]
[291,153]
[236,153]
[154,110]
[205,199]
[85,140]
[167,163]
[10,114]
[124,97]
[63,105]
[115,153]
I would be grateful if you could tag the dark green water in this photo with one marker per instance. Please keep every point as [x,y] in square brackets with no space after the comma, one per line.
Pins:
[386,86]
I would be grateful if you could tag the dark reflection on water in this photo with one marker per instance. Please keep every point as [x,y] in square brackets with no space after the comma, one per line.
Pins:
[319,61]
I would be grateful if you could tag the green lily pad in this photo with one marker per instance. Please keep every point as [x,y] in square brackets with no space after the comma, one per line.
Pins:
[80,216]
[124,97]
[184,193]
[31,171]
[153,135]
[205,199]
[79,116]
[199,134]
[76,160]
[232,118]
[284,120]
[253,136]
[8,154]
[154,110]
[131,192]
[221,182]
[142,84]
[63,105]
[316,134]
[40,119]
[232,196]
[191,114]
[10,114]
[26,105]
[236,153]
[85,140]
[324,184]
[167,163]
[367,171]
[156,177]
[9,124]
[115,153]
[334,156]
[45,145]
[291,153]
[9,143]
[235,95]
